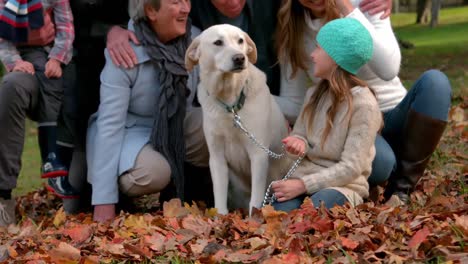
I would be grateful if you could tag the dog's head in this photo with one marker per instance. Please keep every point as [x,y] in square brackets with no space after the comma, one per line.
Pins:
[222,48]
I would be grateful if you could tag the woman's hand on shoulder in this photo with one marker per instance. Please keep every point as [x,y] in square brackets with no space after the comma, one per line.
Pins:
[376,6]
[120,50]
[104,212]
[294,145]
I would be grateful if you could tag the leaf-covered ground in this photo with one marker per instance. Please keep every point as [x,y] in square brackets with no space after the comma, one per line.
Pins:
[433,228]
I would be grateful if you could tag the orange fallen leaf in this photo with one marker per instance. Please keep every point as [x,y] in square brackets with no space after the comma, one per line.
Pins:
[64,253]
[79,233]
[348,243]
[174,208]
[12,252]
[197,224]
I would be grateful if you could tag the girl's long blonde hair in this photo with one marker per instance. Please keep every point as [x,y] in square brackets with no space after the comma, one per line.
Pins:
[289,36]
[339,89]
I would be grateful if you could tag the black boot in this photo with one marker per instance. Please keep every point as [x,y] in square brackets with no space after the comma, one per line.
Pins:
[420,137]
[60,185]
[56,160]
[62,188]
[51,165]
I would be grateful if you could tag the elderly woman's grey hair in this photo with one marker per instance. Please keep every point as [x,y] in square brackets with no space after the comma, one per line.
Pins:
[136,8]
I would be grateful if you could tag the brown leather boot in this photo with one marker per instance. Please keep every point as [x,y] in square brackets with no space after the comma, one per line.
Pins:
[421,135]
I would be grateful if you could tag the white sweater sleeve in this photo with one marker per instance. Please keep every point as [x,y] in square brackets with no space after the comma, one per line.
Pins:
[386,59]
[292,92]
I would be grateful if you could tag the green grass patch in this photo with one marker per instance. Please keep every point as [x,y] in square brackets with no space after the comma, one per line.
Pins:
[2,70]
[29,178]
[444,47]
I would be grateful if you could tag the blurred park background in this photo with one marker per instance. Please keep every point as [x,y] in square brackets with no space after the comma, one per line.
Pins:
[438,41]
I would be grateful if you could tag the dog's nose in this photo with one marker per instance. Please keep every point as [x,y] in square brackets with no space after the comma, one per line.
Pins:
[238,59]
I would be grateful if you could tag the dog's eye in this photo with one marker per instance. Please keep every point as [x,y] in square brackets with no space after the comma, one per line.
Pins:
[241,41]
[218,42]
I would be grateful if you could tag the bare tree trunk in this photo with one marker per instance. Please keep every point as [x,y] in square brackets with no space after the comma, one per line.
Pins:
[435,12]
[422,11]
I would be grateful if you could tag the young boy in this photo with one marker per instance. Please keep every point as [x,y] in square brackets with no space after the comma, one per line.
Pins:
[48,64]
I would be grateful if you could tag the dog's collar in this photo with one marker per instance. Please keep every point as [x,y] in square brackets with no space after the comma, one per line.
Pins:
[237,106]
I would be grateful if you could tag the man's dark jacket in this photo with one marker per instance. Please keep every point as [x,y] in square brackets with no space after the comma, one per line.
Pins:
[261,28]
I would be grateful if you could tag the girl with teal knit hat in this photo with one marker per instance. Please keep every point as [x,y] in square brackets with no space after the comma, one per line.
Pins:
[337,126]
[405,145]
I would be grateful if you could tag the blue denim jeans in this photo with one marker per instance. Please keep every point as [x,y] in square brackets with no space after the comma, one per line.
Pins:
[329,197]
[430,96]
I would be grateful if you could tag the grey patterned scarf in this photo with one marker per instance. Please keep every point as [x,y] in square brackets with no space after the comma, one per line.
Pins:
[168,131]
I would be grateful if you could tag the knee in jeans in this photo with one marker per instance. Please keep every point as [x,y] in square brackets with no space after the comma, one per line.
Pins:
[385,162]
[439,85]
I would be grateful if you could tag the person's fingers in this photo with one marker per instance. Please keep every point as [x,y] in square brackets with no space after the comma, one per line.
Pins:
[29,68]
[133,37]
[114,57]
[53,73]
[128,54]
[386,14]
[279,195]
[376,10]
[297,148]
[286,140]
[365,5]
[59,72]
[276,186]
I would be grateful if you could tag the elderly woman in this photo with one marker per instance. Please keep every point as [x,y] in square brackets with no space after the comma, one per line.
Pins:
[141,134]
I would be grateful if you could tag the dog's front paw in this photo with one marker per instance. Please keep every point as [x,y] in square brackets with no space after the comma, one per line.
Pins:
[223,211]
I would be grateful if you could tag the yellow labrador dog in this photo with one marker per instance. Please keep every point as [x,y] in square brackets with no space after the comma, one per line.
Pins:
[229,82]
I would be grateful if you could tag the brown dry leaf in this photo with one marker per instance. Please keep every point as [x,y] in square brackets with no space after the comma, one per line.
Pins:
[365,230]
[273,218]
[134,221]
[418,238]
[90,260]
[198,246]
[457,114]
[256,242]
[60,217]
[353,216]
[79,233]
[138,250]
[174,208]
[115,247]
[395,259]
[194,210]
[155,242]
[462,222]
[197,224]
[65,253]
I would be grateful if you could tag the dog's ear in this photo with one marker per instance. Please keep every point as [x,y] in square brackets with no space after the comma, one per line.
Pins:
[251,49]
[192,55]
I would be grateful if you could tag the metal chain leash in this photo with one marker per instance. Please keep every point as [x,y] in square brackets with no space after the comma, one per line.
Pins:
[238,123]
[269,198]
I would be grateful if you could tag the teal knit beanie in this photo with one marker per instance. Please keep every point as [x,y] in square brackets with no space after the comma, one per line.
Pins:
[347,42]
